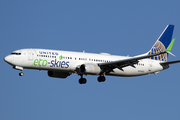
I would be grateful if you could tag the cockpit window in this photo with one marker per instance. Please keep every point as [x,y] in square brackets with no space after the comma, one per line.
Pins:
[14,53]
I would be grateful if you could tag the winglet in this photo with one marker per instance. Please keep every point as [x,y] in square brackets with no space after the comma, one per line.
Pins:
[170,47]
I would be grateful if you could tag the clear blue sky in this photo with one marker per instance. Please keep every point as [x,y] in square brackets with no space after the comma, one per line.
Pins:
[113,26]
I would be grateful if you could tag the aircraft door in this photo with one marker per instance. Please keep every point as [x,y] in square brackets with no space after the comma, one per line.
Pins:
[30,55]
[150,66]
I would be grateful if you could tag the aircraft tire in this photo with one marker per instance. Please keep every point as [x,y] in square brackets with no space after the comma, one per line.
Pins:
[82,80]
[21,74]
[101,79]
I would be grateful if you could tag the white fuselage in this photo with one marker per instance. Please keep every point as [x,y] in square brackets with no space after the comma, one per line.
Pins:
[65,61]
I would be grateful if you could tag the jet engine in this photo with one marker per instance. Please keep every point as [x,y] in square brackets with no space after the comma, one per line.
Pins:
[58,74]
[90,68]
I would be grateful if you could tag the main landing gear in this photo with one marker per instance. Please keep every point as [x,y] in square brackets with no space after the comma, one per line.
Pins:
[101,78]
[82,80]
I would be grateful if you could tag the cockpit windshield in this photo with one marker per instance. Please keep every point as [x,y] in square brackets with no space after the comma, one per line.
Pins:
[15,53]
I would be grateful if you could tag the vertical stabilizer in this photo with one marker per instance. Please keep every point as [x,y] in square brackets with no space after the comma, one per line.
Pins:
[162,44]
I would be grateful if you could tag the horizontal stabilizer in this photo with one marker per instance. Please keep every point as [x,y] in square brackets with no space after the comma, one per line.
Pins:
[170,62]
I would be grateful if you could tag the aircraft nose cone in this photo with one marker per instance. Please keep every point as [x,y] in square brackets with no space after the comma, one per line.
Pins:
[8,59]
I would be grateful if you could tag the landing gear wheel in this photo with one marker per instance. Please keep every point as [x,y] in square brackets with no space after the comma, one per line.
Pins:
[21,74]
[82,80]
[101,79]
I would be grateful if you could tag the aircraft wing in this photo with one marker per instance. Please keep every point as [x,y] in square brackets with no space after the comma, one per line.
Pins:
[109,66]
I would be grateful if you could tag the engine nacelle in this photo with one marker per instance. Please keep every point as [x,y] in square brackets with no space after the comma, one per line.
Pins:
[58,74]
[90,68]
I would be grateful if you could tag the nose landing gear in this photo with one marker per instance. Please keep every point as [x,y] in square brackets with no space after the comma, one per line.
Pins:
[21,73]
[19,68]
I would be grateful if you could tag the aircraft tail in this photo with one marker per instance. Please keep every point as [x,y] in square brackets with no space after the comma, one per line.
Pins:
[162,44]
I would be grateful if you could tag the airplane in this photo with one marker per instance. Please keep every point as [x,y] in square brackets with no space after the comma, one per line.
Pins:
[61,64]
